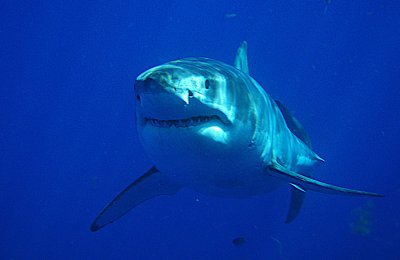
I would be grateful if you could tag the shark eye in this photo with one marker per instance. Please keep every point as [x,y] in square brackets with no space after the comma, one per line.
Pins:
[207,84]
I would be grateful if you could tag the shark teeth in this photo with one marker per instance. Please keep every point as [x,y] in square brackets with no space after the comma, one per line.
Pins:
[188,122]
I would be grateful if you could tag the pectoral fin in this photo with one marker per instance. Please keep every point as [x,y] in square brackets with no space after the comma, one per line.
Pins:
[296,202]
[281,172]
[149,185]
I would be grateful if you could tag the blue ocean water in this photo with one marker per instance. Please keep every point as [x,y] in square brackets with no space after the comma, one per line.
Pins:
[68,143]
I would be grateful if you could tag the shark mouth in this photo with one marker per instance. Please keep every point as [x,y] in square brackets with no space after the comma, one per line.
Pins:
[188,122]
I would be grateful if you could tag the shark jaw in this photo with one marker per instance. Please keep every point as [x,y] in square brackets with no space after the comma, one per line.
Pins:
[180,123]
[211,127]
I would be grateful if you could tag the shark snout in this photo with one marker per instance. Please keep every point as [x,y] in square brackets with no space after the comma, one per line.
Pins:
[148,85]
[152,89]
[163,102]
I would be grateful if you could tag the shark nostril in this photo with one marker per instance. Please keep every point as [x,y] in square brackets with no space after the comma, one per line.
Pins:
[138,98]
[190,93]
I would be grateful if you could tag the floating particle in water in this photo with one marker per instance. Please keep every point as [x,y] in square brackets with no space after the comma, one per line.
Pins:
[238,241]
[230,15]
[327,3]
[362,219]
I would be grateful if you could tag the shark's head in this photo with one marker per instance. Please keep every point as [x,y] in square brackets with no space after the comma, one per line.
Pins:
[190,108]
[185,95]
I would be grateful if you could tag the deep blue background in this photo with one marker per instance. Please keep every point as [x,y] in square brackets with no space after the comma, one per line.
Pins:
[68,141]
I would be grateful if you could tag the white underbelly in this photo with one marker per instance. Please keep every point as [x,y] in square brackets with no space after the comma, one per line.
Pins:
[219,173]
[196,161]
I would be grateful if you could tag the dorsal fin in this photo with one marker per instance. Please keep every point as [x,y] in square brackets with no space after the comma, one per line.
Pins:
[294,125]
[241,62]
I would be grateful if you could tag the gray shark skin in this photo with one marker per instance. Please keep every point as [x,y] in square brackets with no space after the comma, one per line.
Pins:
[211,127]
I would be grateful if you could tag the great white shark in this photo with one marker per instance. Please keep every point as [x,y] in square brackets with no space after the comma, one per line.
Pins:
[211,127]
